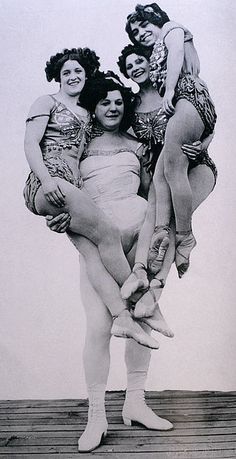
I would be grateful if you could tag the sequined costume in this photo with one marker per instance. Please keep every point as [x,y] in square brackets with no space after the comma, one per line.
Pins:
[63,137]
[112,179]
[150,128]
[189,85]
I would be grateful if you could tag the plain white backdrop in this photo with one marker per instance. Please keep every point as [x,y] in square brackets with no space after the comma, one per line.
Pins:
[42,322]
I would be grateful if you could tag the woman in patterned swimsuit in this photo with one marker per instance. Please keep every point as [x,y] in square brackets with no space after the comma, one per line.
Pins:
[149,125]
[56,133]
[174,70]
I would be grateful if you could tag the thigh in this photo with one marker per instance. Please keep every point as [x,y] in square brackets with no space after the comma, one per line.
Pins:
[202,181]
[87,219]
[185,125]
[131,255]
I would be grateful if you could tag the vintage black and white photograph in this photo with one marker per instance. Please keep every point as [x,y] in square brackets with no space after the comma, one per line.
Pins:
[117,315]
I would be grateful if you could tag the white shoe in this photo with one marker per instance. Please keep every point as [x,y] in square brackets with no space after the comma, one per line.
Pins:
[135,409]
[125,327]
[95,431]
[158,323]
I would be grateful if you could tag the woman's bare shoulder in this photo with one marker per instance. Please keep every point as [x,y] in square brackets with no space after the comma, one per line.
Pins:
[42,104]
[171,25]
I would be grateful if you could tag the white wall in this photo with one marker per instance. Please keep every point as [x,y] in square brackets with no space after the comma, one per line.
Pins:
[42,322]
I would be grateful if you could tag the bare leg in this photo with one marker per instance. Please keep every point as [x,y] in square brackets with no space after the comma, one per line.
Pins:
[89,221]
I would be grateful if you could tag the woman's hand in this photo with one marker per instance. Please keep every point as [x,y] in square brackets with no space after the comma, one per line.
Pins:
[193,150]
[53,192]
[167,104]
[59,224]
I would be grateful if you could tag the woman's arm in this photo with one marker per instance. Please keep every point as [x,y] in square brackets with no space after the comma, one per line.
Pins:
[174,41]
[35,129]
[192,151]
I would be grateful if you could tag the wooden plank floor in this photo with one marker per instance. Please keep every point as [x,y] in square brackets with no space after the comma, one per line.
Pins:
[204,427]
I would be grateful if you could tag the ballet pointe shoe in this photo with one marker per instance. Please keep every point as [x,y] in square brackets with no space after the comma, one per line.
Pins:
[95,430]
[145,307]
[124,326]
[136,410]
[158,323]
[159,246]
[185,243]
[137,283]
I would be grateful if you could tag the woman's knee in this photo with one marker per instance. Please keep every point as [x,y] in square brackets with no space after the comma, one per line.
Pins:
[175,162]
[99,333]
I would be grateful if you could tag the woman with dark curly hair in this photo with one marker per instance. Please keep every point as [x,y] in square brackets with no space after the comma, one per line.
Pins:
[149,124]
[174,70]
[113,168]
[57,130]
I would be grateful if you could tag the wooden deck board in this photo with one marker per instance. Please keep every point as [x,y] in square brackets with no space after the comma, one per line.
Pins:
[205,427]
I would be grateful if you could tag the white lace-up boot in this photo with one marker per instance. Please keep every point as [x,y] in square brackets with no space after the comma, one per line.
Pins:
[97,424]
[135,409]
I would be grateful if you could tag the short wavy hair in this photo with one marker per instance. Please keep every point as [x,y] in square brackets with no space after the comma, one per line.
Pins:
[127,51]
[84,56]
[97,88]
[151,12]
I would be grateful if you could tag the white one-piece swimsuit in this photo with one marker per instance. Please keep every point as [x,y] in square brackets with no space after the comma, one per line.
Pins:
[112,179]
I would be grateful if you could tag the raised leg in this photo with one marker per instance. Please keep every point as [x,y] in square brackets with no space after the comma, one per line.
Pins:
[123,325]
[185,126]
[89,221]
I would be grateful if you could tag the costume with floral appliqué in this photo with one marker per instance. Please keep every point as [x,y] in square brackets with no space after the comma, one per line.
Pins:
[150,128]
[65,136]
[189,85]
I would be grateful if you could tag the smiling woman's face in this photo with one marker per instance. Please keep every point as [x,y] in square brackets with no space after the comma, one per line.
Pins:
[137,68]
[145,33]
[109,111]
[72,77]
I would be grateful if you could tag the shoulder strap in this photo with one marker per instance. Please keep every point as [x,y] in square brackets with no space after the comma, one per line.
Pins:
[38,115]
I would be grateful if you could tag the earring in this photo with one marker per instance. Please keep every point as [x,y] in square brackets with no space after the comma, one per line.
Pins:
[93,116]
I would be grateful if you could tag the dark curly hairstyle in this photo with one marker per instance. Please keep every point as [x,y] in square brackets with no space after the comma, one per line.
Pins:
[97,88]
[151,12]
[127,51]
[84,56]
